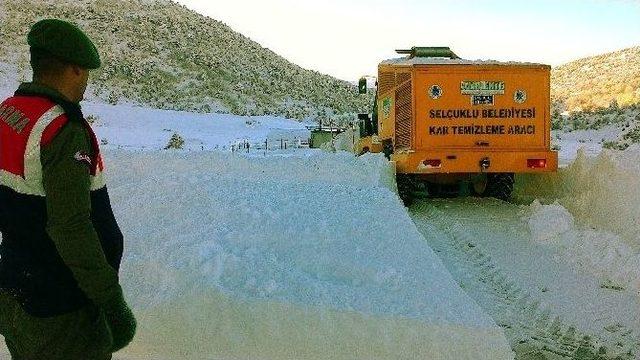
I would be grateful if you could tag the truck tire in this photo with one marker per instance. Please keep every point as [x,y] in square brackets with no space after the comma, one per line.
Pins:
[478,186]
[405,189]
[387,149]
[445,191]
[499,185]
[433,189]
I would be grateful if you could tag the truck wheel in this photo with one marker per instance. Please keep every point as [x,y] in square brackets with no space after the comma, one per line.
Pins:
[405,189]
[499,185]
[433,189]
[387,149]
[478,186]
[445,191]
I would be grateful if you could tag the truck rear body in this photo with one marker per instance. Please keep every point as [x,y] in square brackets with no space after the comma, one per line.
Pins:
[452,116]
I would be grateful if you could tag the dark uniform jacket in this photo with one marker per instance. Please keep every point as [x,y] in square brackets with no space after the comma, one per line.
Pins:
[61,246]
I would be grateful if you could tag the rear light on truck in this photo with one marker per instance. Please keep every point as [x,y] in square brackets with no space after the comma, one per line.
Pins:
[537,163]
[432,163]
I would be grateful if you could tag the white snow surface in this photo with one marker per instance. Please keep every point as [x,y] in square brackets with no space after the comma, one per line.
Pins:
[549,221]
[546,279]
[282,258]
[598,191]
[137,127]
[602,253]
[594,222]
[274,257]
[587,141]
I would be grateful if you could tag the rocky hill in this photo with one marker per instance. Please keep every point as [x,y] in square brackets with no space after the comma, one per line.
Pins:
[600,92]
[597,82]
[161,54]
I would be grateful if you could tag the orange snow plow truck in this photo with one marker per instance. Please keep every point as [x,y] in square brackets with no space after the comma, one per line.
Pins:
[451,124]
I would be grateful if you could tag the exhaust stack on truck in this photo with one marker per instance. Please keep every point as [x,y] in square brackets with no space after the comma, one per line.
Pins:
[447,121]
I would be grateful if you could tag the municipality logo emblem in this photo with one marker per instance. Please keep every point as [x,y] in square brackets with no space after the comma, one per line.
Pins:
[435,92]
[520,96]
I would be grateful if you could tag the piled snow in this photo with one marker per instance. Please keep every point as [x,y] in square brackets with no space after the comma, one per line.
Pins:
[284,258]
[346,140]
[595,220]
[600,192]
[536,272]
[603,254]
[308,256]
[548,222]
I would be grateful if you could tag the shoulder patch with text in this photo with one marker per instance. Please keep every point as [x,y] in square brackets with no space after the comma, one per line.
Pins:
[82,157]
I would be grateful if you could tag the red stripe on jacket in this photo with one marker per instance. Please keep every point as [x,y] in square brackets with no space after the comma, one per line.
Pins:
[13,144]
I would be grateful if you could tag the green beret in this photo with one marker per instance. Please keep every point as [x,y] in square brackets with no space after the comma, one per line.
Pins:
[65,41]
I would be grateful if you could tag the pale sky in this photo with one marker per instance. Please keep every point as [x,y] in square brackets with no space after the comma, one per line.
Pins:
[348,38]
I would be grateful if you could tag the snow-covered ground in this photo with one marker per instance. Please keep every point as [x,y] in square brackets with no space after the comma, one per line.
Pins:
[283,258]
[560,268]
[588,141]
[311,254]
[139,128]
[271,257]
[150,129]
[539,293]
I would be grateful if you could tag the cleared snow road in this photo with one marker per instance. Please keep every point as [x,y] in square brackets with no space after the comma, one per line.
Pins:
[540,300]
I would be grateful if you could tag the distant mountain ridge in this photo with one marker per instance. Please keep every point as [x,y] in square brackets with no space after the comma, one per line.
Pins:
[597,82]
[161,54]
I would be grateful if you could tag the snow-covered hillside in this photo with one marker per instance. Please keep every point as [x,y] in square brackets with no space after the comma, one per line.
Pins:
[595,82]
[140,128]
[596,100]
[158,53]
[612,128]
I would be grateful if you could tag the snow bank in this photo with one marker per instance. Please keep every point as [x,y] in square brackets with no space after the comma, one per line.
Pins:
[601,253]
[601,192]
[284,258]
[345,141]
[548,222]
[601,195]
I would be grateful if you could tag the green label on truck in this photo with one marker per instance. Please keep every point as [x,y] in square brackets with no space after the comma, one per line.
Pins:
[482,87]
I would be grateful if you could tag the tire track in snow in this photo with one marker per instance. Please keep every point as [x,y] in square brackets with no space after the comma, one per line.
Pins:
[532,327]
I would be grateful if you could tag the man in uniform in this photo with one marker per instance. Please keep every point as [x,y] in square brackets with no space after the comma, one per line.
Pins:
[60,296]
